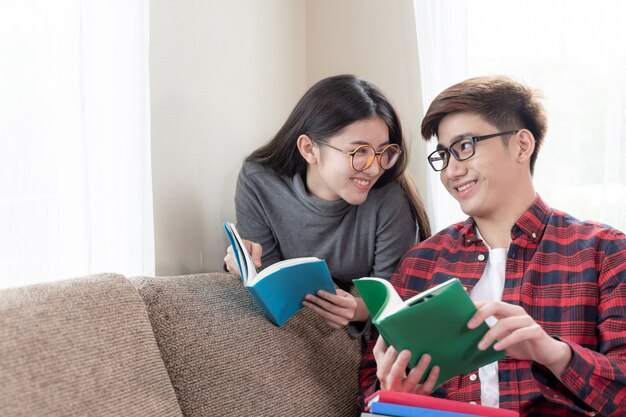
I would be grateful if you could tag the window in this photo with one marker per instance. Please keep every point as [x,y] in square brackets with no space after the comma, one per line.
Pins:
[75,184]
[571,51]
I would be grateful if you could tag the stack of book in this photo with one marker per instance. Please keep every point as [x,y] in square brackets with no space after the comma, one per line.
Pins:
[401,404]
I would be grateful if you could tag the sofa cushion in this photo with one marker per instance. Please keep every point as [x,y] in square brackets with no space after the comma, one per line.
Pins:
[225,358]
[82,347]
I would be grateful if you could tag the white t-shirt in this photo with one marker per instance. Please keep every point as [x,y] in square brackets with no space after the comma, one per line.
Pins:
[489,288]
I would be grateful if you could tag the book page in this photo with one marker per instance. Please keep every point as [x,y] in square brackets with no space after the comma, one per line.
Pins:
[249,270]
[278,265]
[393,302]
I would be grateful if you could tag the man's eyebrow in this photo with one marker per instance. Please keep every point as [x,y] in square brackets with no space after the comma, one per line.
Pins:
[455,138]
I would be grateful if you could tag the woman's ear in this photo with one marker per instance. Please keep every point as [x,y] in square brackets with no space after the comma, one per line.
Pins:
[526,145]
[307,149]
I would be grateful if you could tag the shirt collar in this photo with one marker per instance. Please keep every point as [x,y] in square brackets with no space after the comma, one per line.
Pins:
[532,223]
[534,220]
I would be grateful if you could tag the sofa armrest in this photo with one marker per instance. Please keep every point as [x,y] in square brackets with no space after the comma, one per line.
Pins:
[224,357]
[81,347]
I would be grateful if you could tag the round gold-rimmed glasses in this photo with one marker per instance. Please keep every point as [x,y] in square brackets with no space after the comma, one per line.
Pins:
[363,156]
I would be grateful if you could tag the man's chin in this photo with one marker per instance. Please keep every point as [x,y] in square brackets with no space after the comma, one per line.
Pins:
[470,210]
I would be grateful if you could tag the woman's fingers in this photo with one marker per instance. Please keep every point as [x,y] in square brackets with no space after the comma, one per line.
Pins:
[256,251]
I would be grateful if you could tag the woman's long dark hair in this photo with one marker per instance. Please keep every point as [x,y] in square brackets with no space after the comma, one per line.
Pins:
[325,109]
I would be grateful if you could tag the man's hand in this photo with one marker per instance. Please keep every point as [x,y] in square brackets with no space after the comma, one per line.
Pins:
[391,370]
[337,309]
[254,249]
[520,336]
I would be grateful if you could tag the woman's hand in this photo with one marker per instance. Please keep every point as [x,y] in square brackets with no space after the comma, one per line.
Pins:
[337,309]
[254,249]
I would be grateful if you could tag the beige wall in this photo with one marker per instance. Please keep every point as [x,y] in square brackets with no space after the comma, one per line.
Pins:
[224,76]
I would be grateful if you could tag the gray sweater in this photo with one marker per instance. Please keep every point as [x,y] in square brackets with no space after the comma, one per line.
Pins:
[356,241]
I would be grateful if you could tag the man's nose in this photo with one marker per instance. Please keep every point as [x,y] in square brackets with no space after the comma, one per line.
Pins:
[455,168]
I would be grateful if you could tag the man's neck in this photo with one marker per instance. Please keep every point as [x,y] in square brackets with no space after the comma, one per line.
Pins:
[496,230]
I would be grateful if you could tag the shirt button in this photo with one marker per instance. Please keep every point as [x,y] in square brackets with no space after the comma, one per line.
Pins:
[593,413]
[473,402]
[481,257]
[534,235]
[473,377]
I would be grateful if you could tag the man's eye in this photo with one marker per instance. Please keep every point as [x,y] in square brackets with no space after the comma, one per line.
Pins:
[465,145]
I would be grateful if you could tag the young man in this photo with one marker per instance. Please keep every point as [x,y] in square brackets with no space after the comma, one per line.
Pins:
[552,287]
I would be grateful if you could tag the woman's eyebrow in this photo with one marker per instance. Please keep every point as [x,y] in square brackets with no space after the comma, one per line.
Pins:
[362,142]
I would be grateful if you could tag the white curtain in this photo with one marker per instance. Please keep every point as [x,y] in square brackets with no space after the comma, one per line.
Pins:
[575,53]
[441,34]
[75,179]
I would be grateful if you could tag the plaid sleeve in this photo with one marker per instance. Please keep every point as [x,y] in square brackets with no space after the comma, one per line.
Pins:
[368,381]
[598,378]
[408,280]
[367,373]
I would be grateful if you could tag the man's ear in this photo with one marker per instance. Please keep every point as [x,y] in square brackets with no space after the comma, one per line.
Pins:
[307,149]
[526,145]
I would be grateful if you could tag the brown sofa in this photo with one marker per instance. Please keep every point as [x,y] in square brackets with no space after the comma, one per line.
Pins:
[194,345]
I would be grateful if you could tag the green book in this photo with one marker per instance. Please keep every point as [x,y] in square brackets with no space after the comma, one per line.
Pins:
[433,322]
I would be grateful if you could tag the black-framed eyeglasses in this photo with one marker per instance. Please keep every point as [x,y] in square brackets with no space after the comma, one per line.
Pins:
[461,150]
[363,156]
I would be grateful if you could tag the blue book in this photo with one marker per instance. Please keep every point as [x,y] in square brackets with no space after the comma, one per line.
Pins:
[397,410]
[280,288]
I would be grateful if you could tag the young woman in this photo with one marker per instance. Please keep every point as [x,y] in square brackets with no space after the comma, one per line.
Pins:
[332,183]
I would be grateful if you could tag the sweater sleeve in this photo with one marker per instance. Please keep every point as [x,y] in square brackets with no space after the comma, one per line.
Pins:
[252,221]
[396,231]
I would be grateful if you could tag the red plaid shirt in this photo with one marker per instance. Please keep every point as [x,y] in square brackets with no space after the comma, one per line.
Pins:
[570,276]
